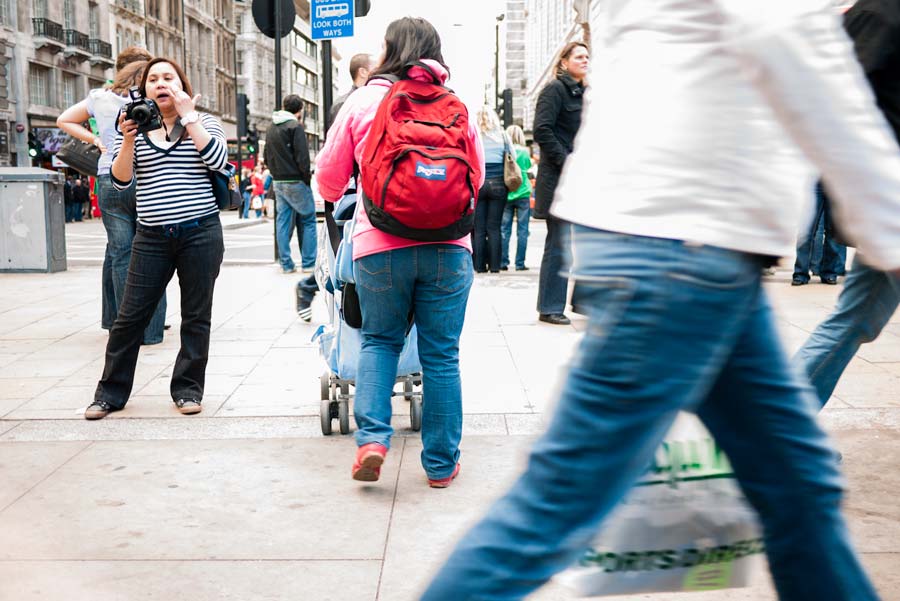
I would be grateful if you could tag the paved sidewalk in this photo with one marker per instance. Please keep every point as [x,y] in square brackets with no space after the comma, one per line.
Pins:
[249,502]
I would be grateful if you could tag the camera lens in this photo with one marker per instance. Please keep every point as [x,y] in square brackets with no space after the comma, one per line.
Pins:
[141,114]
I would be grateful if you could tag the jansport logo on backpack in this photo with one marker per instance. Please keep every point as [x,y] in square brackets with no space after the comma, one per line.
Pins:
[420,171]
[431,171]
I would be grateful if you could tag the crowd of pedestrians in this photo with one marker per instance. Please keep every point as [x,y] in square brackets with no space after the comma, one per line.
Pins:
[666,253]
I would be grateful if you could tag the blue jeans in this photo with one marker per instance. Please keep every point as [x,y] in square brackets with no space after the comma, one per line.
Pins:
[291,198]
[522,209]
[431,282]
[194,249]
[821,228]
[867,302]
[553,283]
[672,327]
[117,210]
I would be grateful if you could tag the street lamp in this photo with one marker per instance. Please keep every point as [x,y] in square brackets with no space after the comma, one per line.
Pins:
[497,62]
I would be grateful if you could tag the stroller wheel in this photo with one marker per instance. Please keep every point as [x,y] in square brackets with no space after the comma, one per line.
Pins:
[325,386]
[415,413]
[344,416]
[325,416]
[408,389]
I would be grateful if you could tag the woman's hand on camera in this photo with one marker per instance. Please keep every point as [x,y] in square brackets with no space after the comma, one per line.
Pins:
[128,128]
[184,104]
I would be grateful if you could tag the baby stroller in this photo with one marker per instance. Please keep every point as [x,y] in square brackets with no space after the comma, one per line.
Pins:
[339,339]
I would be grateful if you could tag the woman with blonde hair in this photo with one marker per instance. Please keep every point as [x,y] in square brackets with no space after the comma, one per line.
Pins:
[486,247]
[117,207]
[518,203]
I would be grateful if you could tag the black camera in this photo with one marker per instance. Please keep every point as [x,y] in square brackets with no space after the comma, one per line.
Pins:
[142,111]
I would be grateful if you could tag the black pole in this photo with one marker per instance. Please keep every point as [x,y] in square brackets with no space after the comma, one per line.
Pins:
[277,106]
[327,84]
[237,110]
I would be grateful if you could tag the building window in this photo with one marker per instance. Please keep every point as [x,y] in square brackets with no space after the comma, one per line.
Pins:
[69,15]
[70,93]
[40,9]
[5,13]
[94,26]
[39,85]
[120,40]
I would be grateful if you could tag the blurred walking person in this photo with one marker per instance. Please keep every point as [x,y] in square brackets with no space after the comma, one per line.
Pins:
[518,203]
[79,198]
[486,240]
[870,296]
[178,231]
[117,207]
[669,251]
[398,277]
[818,235]
[557,118]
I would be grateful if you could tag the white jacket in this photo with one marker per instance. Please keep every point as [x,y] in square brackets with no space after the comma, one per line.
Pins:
[683,134]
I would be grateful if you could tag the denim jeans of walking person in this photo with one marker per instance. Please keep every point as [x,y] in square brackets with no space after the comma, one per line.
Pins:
[194,250]
[521,208]
[486,240]
[819,230]
[117,210]
[295,198]
[865,306]
[672,327]
[431,282]
[553,283]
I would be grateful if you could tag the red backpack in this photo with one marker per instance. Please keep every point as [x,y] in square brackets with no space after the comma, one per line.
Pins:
[420,171]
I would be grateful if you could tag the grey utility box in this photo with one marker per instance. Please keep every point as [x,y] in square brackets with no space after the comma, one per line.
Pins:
[32,220]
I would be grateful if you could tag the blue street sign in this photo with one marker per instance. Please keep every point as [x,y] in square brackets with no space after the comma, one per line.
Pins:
[332,19]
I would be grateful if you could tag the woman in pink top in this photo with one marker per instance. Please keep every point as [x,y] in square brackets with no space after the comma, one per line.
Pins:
[397,278]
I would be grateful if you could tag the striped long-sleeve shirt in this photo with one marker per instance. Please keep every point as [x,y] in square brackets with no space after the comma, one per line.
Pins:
[173,184]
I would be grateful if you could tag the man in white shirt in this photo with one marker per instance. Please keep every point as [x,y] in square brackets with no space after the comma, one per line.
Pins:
[679,196]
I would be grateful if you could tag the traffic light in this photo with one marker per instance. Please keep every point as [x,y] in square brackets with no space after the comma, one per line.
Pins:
[362,8]
[243,114]
[35,147]
[506,107]
[252,141]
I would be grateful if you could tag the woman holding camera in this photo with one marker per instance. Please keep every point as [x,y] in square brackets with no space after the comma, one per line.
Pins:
[178,231]
[116,206]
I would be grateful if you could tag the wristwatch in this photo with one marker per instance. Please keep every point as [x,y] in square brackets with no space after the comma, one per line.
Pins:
[191,117]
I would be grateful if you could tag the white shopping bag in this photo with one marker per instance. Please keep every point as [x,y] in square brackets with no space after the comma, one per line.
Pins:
[685,526]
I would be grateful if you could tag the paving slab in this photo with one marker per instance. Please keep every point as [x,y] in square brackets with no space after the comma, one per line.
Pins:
[24,465]
[194,580]
[203,500]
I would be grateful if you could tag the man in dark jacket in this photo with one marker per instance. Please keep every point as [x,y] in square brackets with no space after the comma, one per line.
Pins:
[287,156]
[870,297]
[361,65]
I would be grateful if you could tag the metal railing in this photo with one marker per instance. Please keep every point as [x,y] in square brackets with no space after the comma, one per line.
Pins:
[78,40]
[47,29]
[101,48]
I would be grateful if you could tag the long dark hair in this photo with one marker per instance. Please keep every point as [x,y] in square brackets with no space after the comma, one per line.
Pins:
[185,84]
[406,40]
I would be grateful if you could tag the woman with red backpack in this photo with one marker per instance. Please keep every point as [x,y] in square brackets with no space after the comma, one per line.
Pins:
[409,261]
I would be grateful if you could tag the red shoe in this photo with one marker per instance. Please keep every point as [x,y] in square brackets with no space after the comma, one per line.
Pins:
[369,457]
[444,482]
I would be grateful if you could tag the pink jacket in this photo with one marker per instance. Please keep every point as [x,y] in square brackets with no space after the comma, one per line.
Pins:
[344,147]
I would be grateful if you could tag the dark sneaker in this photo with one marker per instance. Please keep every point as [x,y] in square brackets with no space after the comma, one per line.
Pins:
[444,482]
[97,410]
[188,406]
[522,268]
[304,302]
[795,281]
[557,319]
[831,280]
